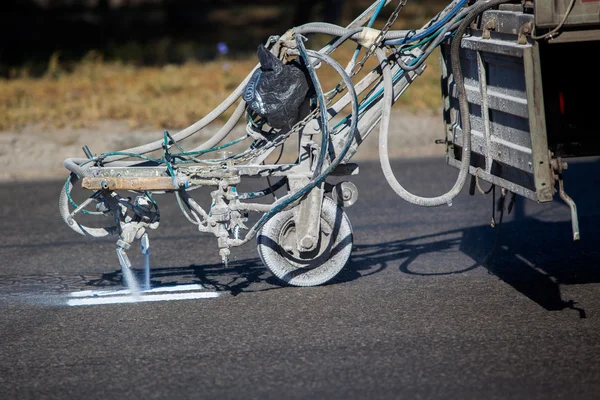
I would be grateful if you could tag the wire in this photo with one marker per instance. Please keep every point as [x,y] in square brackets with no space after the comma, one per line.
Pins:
[548,35]
[369,25]
[261,193]
[429,30]
[184,154]
[447,197]
[453,20]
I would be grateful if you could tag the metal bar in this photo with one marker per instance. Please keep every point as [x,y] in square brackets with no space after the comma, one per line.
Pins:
[123,183]
[202,176]
[307,214]
[145,242]
[493,179]
[308,220]
[78,209]
[366,15]
[544,178]
[572,206]
[485,112]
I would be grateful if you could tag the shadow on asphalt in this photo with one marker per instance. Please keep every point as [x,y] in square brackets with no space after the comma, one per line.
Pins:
[533,256]
[248,275]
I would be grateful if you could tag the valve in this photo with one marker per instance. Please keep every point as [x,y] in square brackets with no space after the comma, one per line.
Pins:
[219,219]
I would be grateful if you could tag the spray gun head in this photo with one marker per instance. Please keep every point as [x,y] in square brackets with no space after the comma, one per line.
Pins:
[224,253]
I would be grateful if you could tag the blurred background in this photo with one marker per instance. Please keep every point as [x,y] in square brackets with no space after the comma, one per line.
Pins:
[153,62]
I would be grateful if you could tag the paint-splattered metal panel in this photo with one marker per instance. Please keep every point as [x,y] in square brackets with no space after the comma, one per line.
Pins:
[504,90]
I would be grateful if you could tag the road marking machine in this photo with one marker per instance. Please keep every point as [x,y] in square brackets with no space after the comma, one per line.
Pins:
[490,52]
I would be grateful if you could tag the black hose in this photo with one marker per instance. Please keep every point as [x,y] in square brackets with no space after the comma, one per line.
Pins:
[322,106]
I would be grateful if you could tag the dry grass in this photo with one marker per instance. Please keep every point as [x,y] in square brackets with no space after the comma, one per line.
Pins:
[173,96]
[143,96]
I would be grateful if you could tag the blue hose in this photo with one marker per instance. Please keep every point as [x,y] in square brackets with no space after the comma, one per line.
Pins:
[369,24]
[430,30]
[322,105]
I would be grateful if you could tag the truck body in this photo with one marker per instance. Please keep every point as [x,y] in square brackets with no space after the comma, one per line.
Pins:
[531,78]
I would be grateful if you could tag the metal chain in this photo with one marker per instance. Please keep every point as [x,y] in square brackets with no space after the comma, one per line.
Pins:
[391,21]
[359,66]
[378,41]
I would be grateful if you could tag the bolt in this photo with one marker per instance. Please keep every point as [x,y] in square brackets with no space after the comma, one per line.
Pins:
[491,24]
[347,194]
[307,242]
[225,253]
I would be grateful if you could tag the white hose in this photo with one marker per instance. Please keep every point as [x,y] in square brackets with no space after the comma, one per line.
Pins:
[463,173]
[213,115]
[388,97]
[336,30]
[225,129]
[74,165]
[187,132]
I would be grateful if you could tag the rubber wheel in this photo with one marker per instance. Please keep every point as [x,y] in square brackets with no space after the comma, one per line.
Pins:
[278,251]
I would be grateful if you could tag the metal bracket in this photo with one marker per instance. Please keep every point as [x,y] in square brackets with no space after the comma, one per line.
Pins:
[489,26]
[524,30]
[559,166]
[145,243]
[307,216]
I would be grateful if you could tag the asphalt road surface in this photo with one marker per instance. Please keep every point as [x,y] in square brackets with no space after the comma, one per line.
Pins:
[418,313]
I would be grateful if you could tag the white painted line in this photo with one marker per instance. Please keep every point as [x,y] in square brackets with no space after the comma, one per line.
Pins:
[92,301]
[94,293]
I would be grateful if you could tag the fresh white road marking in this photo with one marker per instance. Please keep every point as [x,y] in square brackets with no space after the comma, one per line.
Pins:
[98,300]
[94,293]
[123,296]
